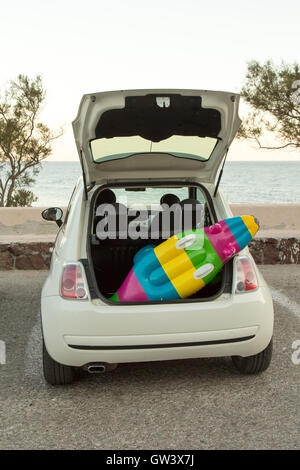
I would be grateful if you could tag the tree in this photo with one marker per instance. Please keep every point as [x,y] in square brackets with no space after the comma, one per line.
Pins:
[24,140]
[273,93]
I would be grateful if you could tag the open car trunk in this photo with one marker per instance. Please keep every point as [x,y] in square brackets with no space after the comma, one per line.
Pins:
[155,135]
[112,259]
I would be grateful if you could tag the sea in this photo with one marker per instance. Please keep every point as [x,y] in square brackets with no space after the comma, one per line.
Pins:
[243,182]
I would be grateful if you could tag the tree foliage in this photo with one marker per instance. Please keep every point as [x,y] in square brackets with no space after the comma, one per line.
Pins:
[24,140]
[273,94]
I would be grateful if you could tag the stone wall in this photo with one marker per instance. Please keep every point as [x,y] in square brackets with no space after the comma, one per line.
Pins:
[25,238]
[275,251]
[37,255]
[25,255]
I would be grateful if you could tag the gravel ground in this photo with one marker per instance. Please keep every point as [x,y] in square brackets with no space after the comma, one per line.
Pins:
[191,404]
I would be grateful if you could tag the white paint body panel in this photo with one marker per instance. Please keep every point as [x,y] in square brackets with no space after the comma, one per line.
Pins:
[96,323]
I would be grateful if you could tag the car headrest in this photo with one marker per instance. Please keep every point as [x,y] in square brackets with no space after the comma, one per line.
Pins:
[191,203]
[106,196]
[117,209]
[193,212]
[169,199]
[116,219]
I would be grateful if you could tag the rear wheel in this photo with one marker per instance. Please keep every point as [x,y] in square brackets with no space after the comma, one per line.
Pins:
[55,373]
[254,364]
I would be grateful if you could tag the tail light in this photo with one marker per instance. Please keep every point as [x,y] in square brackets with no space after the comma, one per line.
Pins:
[246,279]
[72,282]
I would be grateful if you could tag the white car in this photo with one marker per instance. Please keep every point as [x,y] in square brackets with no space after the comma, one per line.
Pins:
[152,148]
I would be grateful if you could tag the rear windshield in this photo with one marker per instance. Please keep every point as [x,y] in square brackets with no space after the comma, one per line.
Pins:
[199,148]
[158,212]
[148,196]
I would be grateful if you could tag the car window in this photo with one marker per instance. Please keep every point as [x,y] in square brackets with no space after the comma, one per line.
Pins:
[151,196]
[198,148]
[200,196]
[208,219]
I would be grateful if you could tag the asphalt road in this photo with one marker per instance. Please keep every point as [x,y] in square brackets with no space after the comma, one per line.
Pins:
[191,404]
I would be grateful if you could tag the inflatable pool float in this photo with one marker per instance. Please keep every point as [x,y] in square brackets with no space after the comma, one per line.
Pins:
[186,262]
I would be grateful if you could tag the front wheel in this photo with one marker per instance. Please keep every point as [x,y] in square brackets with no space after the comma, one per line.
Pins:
[254,364]
[55,373]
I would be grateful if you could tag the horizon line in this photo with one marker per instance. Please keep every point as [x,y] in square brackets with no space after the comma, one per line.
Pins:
[228,161]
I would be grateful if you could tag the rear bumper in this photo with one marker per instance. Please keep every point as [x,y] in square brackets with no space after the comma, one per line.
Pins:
[77,333]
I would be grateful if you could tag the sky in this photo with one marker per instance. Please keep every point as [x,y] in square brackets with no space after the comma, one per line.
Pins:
[95,45]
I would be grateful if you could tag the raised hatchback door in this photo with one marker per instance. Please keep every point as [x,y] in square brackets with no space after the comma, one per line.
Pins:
[155,133]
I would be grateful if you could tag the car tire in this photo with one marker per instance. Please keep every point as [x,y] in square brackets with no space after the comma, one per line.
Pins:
[55,373]
[254,364]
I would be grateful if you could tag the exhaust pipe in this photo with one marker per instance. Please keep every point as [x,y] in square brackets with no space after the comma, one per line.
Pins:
[96,368]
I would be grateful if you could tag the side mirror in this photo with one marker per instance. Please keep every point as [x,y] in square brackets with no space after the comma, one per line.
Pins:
[53,214]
